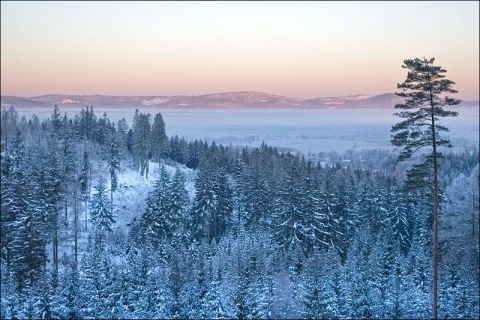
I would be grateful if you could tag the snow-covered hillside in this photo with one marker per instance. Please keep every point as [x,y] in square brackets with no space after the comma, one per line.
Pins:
[129,204]
[227,100]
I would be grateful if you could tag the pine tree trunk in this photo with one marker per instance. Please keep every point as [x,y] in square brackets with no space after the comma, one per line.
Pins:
[435,236]
[55,245]
[66,209]
[473,215]
[146,168]
[435,212]
[208,232]
[435,239]
[30,243]
[86,201]
[111,198]
[75,226]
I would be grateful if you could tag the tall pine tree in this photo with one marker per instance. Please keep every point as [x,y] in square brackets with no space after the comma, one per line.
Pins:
[422,111]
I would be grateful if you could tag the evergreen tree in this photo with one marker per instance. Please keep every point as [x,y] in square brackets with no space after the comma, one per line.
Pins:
[212,208]
[195,152]
[120,138]
[178,150]
[335,221]
[359,275]
[257,196]
[141,131]
[95,277]
[101,214]
[53,194]
[416,281]
[176,282]
[114,166]
[317,294]
[9,120]
[68,300]
[156,221]
[24,237]
[397,219]
[178,206]
[84,180]
[12,172]
[56,122]
[313,209]
[141,260]
[129,144]
[87,123]
[10,301]
[205,207]
[291,222]
[423,87]
[225,200]
[69,164]
[104,130]
[387,277]
[158,138]
[28,244]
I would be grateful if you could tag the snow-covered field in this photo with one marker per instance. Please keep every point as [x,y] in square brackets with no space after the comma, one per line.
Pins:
[307,131]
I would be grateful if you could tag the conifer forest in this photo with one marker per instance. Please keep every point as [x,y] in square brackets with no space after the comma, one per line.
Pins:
[222,232]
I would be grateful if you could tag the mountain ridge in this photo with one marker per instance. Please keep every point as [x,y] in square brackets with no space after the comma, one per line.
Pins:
[223,100]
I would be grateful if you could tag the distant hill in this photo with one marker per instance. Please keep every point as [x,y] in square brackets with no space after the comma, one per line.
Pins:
[228,100]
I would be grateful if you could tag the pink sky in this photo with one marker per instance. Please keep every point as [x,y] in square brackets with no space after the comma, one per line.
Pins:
[295,49]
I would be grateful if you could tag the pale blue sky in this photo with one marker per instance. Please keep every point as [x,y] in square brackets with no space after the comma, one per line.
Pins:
[296,49]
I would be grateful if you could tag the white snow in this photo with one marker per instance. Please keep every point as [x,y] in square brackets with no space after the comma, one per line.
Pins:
[129,204]
[154,101]
[68,101]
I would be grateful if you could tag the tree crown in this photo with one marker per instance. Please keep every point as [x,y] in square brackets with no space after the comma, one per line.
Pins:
[422,88]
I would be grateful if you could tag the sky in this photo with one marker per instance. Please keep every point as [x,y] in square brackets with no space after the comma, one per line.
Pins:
[296,49]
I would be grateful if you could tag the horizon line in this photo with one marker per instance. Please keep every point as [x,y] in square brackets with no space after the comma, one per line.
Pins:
[205,94]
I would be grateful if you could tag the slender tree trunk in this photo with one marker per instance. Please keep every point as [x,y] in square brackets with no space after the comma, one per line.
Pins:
[55,244]
[146,167]
[473,215]
[66,209]
[208,232]
[435,237]
[86,215]
[435,213]
[76,234]
[75,225]
[86,201]
[111,197]
[30,243]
